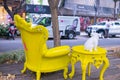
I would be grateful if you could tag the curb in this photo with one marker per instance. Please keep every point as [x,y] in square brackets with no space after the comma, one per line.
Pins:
[113,48]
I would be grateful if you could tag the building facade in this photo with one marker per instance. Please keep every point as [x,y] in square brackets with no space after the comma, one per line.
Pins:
[90,11]
[101,8]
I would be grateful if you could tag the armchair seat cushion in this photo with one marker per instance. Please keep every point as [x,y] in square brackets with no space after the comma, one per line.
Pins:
[58,51]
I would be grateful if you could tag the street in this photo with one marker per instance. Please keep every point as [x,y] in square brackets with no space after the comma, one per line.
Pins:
[9,45]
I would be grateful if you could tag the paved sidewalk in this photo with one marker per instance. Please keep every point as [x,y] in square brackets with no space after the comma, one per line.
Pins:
[112,73]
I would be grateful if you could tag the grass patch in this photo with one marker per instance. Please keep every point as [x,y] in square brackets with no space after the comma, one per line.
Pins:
[12,56]
[116,54]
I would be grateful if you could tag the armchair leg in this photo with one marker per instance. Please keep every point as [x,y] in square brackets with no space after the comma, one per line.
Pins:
[24,69]
[65,73]
[38,75]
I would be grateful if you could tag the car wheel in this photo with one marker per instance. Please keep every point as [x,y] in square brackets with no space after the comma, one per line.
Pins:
[71,35]
[101,34]
[113,35]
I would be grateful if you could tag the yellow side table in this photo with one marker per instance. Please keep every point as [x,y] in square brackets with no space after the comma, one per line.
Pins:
[86,58]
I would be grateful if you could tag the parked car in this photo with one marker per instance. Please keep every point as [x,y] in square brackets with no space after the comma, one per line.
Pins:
[101,26]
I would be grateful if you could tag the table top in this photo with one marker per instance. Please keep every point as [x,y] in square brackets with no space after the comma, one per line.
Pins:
[80,49]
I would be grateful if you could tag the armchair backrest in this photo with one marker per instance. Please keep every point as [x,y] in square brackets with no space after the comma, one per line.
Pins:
[33,39]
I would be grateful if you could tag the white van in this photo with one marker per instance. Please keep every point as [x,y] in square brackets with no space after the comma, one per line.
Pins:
[69,26]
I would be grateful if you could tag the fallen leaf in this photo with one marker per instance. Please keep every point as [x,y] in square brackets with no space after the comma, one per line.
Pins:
[11,77]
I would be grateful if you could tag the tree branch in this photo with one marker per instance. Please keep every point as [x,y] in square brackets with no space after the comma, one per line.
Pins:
[22,4]
[6,8]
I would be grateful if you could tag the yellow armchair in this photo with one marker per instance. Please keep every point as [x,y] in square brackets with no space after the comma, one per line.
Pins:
[39,58]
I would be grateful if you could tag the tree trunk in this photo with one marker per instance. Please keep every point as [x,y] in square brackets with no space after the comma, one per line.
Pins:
[7,9]
[14,10]
[115,10]
[54,13]
[119,10]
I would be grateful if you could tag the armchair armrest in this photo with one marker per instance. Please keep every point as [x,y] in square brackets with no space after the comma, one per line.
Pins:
[57,51]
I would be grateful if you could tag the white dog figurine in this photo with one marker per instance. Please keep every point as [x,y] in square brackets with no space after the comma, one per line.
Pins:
[92,43]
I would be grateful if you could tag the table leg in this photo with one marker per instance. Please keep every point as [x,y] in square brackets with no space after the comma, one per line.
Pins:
[105,66]
[89,67]
[84,66]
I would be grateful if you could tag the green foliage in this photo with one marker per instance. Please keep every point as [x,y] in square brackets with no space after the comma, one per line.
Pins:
[14,56]
[27,1]
[3,30]
[40,1]
[28,19]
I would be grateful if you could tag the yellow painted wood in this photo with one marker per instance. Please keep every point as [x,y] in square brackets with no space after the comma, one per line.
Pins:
[87,58]
[39,58]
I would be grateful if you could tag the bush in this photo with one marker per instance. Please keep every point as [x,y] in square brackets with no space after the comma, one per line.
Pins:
[14,56]
[3,30]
